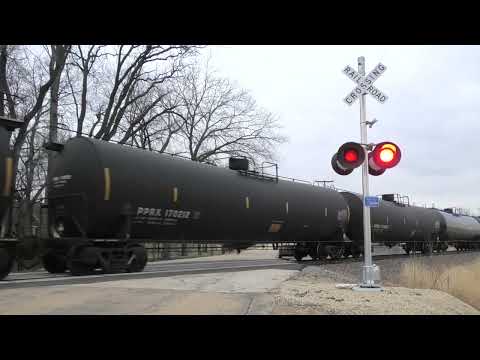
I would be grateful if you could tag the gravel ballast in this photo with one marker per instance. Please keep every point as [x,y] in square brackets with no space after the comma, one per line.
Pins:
[314,291]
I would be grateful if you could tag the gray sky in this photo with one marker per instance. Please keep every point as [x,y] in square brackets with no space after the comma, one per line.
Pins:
[433,113]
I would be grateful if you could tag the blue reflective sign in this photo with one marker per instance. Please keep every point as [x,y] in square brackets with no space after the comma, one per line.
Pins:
[372,201]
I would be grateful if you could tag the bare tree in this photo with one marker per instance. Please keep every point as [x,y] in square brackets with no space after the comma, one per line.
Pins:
[82,59]
[32,77]
[139,74]
[57,61]
[219,119]
[150,122]
[24,84]
[31,174]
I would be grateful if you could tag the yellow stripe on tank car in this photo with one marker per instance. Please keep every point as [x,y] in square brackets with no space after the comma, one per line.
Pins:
[175,194]
[8,176]
[108,183]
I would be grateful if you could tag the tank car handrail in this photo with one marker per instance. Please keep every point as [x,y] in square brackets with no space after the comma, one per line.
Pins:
[66,196]
[271,165]
[294,180]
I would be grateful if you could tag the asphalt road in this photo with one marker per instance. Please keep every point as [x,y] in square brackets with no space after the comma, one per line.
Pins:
[158,269]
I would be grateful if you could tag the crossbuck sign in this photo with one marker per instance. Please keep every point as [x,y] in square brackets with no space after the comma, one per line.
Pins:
[365,84]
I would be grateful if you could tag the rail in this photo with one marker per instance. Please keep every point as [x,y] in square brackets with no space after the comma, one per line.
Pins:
[34,274]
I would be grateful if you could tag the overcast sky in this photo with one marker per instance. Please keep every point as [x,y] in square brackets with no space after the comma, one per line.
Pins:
[433,113]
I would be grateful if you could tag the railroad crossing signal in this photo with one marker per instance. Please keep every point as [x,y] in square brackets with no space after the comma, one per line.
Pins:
[351,155]
[365,84]
[384,156]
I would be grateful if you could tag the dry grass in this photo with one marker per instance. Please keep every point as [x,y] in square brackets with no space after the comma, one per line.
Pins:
[461,281]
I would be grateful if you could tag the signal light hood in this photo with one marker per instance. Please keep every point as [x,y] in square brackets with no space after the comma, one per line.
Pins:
[372,169]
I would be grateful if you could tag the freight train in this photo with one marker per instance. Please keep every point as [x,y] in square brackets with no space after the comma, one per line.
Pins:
[105,200]
[396,222]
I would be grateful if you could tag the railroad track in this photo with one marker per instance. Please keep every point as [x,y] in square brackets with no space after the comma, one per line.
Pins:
[44,278]
[384,256]
[162,269]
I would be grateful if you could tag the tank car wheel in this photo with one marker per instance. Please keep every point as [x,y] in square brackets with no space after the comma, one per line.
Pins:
[298,256]
[82,260]
[79,269]
[54,263]
[322,256]
[355,251]
[140,259]
[320,250]
[6,263]
[335,252]
[427,248]
[356,254]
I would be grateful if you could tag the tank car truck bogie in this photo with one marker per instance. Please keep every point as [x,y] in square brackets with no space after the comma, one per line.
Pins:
[336,247]
[86,258]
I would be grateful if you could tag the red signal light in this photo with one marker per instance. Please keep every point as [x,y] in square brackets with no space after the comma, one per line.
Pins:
[386,155]
[349,156]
